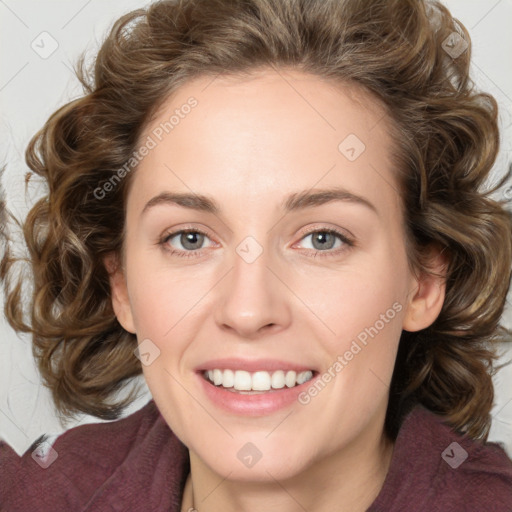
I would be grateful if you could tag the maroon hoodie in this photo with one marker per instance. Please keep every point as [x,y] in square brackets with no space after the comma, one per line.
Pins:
[137,464]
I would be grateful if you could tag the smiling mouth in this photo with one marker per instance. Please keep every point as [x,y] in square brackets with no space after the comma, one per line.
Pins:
[241,381]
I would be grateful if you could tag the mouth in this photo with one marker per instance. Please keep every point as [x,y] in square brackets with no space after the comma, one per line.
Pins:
[256,387]
[258,382]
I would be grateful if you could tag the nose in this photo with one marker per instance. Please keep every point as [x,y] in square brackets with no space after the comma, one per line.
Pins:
[253,299]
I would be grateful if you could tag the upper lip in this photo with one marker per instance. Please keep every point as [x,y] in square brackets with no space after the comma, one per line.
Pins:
[252,365]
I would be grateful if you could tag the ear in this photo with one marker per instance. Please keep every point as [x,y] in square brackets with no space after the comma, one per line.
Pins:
[427,293]
[119,292]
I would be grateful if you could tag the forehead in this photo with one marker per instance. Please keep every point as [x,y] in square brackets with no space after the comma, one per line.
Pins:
[272,98]
[268,132]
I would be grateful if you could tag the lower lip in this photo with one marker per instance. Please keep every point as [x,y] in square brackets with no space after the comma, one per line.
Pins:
[259,404]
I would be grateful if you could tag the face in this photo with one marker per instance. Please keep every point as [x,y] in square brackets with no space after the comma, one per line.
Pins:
[293,268]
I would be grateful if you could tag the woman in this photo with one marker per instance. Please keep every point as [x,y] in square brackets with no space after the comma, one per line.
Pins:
[275,210]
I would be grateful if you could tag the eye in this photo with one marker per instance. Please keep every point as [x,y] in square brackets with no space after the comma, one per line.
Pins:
[325,240]
[190,239]
[328,241]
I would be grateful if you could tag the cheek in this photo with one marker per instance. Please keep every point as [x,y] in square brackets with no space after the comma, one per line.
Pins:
[164,299]
[355,300]
[364,310]
[166,305]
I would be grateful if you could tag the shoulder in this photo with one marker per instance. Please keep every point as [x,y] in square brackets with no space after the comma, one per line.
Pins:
[85,461]
[435,468]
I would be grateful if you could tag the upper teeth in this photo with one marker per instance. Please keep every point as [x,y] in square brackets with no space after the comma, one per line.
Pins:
[257,381]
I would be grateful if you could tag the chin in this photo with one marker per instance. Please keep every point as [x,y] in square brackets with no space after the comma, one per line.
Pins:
[258,461]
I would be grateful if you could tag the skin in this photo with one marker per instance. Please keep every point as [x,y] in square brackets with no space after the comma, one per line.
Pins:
[249,143]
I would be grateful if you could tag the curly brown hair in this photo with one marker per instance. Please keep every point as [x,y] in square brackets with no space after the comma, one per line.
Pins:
[447,140]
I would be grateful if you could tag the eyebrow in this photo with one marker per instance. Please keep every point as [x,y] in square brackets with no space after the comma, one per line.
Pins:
[294,202]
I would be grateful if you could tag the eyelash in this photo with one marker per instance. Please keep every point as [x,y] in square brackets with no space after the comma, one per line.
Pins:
[348,243]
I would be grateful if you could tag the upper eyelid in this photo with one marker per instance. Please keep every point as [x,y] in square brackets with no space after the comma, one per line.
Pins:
[338,231]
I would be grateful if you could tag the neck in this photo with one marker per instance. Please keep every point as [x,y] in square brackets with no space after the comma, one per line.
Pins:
[346,481]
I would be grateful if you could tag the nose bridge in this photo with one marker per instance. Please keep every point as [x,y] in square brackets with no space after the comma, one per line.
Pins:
[252,296]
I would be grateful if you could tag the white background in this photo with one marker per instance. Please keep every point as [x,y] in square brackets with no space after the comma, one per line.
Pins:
[32,86]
